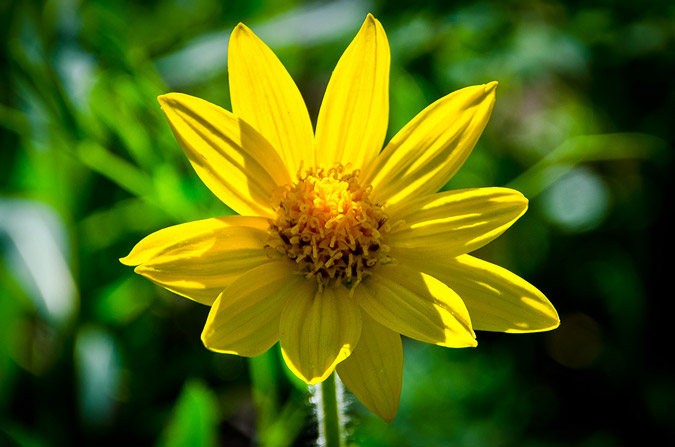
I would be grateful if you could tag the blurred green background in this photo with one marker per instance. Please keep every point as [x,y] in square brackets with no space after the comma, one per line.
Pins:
[92,354]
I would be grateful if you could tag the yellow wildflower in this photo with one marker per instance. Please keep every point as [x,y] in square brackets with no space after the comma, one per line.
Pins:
[338,247]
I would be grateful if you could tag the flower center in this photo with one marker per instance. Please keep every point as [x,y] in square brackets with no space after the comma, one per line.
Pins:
[328,224]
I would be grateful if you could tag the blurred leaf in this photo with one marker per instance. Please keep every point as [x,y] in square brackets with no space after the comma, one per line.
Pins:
[286,426]
[121,103]
[195,418]
[407,100]
[264,380]
[276,427]
[38,256]
[10,313]
[40,78]
[13,120]
[81,131]
[105,227]
[123,173]
[121,302]
[584,149]
[179,194]
[16,435]
[98,367]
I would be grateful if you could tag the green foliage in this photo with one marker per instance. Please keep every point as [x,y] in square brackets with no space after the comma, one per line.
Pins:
[194,420]
[92,354]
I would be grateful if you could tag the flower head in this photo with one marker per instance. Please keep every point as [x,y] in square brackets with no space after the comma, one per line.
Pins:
[338,248]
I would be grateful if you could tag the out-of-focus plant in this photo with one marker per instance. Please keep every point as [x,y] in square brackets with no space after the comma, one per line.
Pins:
[87,167]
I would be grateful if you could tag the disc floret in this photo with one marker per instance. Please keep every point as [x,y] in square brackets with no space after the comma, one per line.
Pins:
[329,225]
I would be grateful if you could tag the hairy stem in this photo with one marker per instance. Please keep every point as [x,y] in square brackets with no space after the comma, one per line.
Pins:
[330,430]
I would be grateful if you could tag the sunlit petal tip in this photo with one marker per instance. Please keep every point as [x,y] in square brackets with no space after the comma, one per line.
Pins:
[554,321]
[128,260]
[376,26]
[554,326]
[176,98]
[207,341]
[388,417]
[147,272]
[466,340]
[371,20]
[165,99]
[526,201]
[238,30]
[316,380]
[548,321]
[301,375]
[490,97]
[371,24]
[136,256]
[171,100]
[490,87]
[521,200]
[454,340]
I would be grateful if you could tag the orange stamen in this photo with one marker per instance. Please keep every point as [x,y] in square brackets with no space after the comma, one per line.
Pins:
[330,226]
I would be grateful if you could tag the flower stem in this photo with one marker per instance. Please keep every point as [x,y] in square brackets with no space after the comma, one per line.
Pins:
[330,423]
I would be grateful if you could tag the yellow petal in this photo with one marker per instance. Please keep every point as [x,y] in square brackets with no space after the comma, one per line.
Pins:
[354,113]
[497,299]
[318,331]
[236,163]
[244,320]
[199,259]
[423,155]
[374,371]
[416,305]
[265,96]
[452,223]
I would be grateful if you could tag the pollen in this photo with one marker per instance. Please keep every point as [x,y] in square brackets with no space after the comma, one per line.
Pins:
[329,225]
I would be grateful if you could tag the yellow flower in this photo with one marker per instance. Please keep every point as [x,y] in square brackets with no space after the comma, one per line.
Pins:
[338,248]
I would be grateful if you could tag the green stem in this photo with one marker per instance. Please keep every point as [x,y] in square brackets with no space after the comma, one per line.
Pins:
[330,422]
